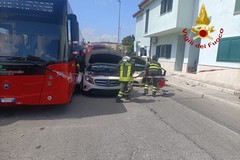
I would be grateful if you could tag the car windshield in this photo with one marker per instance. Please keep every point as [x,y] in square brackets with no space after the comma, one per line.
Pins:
[103,69]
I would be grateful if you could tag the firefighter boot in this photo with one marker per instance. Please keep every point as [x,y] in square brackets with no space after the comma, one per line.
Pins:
[118,100]
[154,91]
[127,97]
[154,94]
[145,92]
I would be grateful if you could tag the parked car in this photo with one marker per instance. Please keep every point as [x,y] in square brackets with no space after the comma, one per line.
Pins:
[101,72]
[140,63]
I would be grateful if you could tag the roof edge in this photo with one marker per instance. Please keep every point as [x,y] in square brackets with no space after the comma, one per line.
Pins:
[138,13]
[143,3]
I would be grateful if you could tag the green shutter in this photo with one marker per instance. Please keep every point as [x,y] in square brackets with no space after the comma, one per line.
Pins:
[234,53]
[223,50]
[229,50]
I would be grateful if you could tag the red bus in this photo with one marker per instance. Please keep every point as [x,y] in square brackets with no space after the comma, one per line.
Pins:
[37,65]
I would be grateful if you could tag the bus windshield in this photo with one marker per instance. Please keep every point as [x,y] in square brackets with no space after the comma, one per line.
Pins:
[19,38]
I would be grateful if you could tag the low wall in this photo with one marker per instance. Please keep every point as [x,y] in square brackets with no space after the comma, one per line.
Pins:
[219,76]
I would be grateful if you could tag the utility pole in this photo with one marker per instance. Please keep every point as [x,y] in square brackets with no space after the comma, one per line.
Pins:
[119,18]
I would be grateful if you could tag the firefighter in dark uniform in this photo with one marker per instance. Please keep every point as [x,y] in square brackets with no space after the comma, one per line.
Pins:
[126,70]
[152,68]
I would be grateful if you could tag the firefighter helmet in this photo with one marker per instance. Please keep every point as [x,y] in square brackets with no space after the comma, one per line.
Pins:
[126,59]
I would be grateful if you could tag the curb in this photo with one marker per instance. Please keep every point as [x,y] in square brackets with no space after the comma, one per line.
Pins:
[204,95]
[219,88]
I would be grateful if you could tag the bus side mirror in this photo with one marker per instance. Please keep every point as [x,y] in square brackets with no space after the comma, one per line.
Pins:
[74,27]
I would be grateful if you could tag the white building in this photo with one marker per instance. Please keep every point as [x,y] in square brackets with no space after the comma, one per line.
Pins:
[159,30]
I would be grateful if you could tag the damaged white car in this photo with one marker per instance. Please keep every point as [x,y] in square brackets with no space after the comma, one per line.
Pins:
[101,72]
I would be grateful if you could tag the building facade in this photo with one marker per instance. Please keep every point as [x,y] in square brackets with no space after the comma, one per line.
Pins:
[200,41]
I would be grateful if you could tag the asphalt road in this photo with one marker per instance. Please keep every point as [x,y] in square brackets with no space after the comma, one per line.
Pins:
[174,126]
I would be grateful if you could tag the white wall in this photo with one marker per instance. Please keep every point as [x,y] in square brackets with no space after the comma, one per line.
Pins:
[221,13]
[180,53]
[159,23]
[139,27]
[179,17]
[139,35]
[186,8]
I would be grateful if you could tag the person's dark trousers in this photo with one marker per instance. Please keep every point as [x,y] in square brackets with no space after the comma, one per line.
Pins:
[123,92]
[146,86]
[154,72]
[155,86]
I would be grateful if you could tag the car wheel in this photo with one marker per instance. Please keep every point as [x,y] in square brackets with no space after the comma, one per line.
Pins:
[86,93]
[81,86]
[77,88]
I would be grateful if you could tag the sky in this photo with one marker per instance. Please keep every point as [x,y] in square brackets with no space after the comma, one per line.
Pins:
[98,19]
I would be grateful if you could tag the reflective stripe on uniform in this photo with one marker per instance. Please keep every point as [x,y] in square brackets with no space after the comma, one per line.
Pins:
[154,89]
[125,70]
[154,66]
[120,94]
[146,86]
[129,70]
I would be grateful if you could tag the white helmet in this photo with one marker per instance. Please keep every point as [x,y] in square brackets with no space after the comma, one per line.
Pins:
[126,59]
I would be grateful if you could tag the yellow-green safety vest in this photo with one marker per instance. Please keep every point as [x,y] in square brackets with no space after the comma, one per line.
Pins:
[154,66]
[125,72]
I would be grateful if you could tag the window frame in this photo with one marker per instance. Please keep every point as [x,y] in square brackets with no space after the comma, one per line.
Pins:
[164,51]
[225,57]
[237,10]
[168,4]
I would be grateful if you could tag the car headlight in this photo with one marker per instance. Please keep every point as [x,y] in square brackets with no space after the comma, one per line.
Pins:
[89,79]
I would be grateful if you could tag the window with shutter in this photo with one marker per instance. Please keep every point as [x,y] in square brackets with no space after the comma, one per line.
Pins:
[164,51]
[158,51]
[163,7]
[168,51]
[169,7]
[166,6]
[228,50]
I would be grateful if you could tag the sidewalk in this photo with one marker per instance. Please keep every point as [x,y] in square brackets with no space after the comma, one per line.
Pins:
[204,90]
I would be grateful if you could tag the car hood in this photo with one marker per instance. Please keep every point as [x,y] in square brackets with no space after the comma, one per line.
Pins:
[103,56]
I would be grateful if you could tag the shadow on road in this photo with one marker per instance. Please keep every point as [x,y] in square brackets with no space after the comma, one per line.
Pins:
[81,106]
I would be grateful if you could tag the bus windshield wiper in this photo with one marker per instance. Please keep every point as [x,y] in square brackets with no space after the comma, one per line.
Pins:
[34,58]
[28,58]
[10,58]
